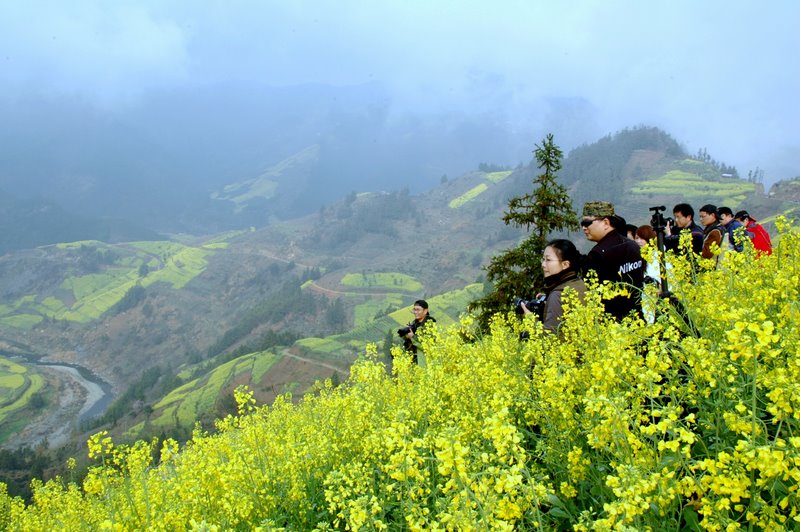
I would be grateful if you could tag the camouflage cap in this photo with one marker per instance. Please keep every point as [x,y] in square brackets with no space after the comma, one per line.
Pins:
[598,209]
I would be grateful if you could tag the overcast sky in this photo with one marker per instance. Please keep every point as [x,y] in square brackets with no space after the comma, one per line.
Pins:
[720,75]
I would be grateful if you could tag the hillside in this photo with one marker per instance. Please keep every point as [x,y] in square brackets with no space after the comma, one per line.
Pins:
[147,316]
[631,425]
[30,222]
[175,325]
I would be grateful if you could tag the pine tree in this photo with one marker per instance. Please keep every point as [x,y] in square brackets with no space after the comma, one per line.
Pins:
[517,272]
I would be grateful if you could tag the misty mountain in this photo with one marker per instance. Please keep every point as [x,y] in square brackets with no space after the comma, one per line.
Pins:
[153,316]
[26,223]
[156,162]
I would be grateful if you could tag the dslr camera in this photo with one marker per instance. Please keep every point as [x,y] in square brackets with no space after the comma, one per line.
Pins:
[535,305]
[404,331]
[658,221]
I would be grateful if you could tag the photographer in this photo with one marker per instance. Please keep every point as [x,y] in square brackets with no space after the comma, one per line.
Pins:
[560,262]
[614,258]
[407,333]
[684,222]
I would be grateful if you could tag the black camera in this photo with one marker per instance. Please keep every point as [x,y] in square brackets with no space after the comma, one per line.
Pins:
[403,332]
[535,305]
[658,221]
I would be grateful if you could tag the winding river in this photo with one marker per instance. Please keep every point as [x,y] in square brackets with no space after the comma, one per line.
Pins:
[99,393]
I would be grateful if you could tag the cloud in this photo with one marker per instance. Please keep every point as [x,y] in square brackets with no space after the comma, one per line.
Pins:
[715,74]
[106,52]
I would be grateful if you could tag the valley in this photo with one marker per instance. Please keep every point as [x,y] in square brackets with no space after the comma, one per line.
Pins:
[174,326]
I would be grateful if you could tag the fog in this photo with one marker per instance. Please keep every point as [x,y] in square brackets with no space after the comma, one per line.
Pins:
[206,93]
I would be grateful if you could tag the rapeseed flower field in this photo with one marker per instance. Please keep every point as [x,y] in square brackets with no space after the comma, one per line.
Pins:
[691,421]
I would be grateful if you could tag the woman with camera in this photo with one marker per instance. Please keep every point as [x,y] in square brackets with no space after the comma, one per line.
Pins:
[561,261]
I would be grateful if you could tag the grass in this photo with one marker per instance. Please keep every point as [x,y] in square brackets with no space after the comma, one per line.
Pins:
[366,312]
[21,321]
[262,362]
[180,268]
[134,432]
[496,177]
[13,381]
[446,308]
[391,280]
[162,248]
[320,345]
[258,188]
[178,394]
[190,401]
[33,383]
[468,196]
[693,187]
[94,294]
[78,244]
[9,384]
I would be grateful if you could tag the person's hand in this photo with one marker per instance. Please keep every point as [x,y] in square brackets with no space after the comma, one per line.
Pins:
[668,229]
[525,309]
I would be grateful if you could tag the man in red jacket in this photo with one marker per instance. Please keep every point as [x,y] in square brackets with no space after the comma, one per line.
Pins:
[761,240]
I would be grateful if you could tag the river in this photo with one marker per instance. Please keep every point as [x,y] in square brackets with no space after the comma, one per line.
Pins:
[99,393]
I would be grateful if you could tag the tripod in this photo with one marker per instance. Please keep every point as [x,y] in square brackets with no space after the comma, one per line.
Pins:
[659,224]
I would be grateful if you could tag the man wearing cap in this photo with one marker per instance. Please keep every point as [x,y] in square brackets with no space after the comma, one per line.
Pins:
[614,257]
[761,239]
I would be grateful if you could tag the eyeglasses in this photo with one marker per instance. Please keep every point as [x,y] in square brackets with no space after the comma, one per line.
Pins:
[587,223]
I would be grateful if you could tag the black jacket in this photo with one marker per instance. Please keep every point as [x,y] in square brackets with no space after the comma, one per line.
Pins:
[618,259]
[671,241]
[415,325]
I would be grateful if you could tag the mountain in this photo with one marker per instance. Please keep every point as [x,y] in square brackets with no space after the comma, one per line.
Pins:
[163,162]
[26,223]
[175,325]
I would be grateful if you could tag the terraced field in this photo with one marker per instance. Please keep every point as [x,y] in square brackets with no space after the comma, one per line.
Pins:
[86,297]
[491,178]
[18,384]
[188,403]
[387,280]
[318,358]
[695,189]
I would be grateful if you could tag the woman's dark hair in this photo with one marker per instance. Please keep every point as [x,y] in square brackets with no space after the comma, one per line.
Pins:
[566,250]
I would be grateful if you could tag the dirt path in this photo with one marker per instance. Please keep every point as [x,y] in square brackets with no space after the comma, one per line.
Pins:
[316,362]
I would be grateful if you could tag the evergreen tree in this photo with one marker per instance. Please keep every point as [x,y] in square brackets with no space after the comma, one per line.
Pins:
[517,272]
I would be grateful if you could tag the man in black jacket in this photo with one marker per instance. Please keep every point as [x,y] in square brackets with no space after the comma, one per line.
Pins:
[684,222]
[614,257]
[421,318]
